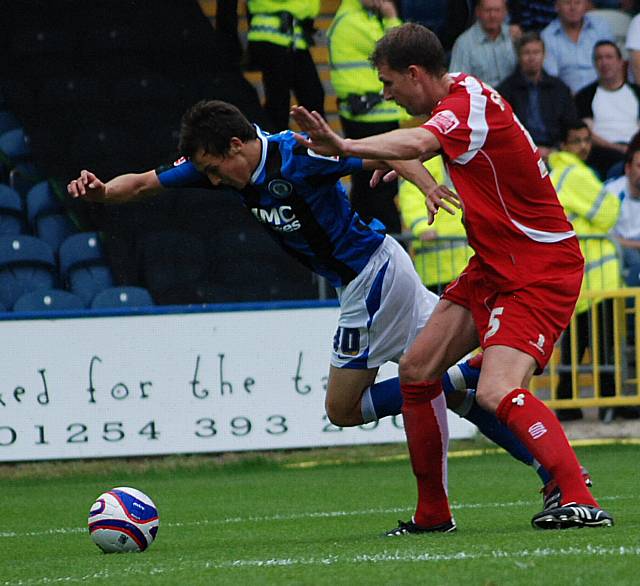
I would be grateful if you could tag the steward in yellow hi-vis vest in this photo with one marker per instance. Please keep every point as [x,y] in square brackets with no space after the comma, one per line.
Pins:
[357,26]
[287,23]
[280,34]
[352,38]
[439,256]
[593,211]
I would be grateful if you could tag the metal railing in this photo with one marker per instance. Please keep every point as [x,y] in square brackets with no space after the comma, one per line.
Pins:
[604,376]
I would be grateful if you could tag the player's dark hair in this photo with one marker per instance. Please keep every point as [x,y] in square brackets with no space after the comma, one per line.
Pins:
[210,125]
[576,124]
[606,43]
[528,37]
[410,44]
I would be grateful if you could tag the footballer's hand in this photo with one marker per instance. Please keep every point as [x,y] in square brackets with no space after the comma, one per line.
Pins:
[322,139]
[438,197]
[87,186]
[382,175]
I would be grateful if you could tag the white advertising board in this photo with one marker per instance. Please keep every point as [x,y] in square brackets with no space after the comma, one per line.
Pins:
[173,383]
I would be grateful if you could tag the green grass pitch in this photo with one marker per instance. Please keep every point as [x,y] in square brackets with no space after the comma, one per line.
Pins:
[316,517]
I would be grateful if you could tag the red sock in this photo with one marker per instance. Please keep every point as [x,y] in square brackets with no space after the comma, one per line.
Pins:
[424,410]
[539,430]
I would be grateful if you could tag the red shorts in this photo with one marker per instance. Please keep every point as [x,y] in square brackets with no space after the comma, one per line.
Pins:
[530,319]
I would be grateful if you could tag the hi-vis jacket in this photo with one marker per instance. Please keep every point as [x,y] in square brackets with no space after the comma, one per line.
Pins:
[279,21]
[593,211]
[352,38]
[437,261]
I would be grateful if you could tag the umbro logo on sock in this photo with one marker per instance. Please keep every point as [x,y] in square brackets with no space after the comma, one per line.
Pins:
[518,400]
[537,430]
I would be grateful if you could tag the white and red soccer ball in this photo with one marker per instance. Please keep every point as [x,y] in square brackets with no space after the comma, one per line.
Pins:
[123,520]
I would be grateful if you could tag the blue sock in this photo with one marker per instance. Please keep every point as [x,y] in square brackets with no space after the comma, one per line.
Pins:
[464,376]
[381,399]
[459,377]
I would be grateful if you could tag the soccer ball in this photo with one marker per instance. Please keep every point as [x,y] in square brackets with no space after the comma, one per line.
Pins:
[122,520]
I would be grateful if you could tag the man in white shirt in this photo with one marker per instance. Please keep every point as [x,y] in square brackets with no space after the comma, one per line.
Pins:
[610,107]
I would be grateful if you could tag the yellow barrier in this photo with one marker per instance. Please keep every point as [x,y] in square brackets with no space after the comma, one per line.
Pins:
[586,375]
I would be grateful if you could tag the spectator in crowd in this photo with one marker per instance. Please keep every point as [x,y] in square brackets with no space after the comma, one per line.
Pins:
[627,188]
[542,103]
[610,107]
[357,26]
[280,35]
[440,249]
[486,49]
[569,40]
[533,15]
[593,211]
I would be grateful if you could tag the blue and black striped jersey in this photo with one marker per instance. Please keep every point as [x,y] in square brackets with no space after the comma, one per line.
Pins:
[297,195]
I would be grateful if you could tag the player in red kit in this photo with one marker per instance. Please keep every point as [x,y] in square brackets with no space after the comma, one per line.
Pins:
[517,293]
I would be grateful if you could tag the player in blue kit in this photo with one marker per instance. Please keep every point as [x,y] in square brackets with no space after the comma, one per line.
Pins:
[297,196]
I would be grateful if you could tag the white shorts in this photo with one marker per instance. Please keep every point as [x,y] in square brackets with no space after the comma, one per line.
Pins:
[381,310]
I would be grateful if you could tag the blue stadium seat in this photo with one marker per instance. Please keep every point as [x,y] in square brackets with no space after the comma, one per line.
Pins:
[11,213]
[54,229]
[15,145]
[26,264]
[24,176]
[41,199]
[46,216]
[83,265]
[48,300]
[122,297]
[15,155]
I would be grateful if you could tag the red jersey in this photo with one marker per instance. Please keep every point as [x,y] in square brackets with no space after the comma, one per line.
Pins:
[514,221]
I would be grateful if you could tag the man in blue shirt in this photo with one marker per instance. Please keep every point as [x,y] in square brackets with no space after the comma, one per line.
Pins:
[297,196]
[569,41]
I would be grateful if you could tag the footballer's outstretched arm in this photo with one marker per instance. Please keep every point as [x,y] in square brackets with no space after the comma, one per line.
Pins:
[409,143]
[120,189]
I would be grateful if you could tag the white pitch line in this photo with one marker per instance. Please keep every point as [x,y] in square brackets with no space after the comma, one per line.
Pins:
[291,517]
[139,568]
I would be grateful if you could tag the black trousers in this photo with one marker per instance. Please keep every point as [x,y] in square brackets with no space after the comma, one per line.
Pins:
[379,202]
[583,330]
[285,70]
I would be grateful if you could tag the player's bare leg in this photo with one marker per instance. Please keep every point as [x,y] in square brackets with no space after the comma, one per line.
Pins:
[344,394]
[502,388]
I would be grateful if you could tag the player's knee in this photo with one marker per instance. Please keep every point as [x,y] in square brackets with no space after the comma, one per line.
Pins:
[411,370]
[340,416]
[488,397]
